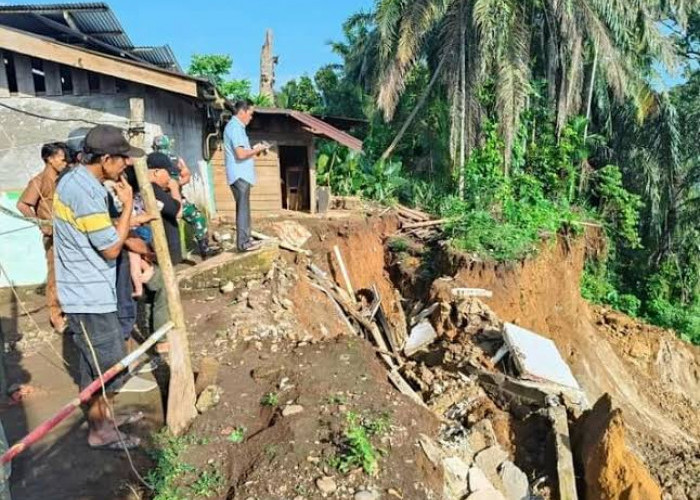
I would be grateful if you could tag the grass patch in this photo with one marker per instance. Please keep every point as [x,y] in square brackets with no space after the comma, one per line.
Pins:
[356,448]
[208,483]
[270,399]
[170,470]
[237,435]
[398,244]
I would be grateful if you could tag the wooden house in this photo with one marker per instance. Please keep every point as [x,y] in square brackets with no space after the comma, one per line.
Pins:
[286,174]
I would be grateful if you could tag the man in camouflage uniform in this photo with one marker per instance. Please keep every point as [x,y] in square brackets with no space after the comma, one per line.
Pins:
[190,213]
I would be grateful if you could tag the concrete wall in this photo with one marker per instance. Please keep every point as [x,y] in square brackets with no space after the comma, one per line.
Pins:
[22,134]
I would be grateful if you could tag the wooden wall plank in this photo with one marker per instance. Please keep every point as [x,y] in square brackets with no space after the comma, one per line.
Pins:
[23,73]
[81,85]
[25,43]
[4,86]
[108,84]
[52,78]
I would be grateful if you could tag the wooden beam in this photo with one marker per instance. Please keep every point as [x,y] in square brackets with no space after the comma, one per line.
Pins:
[311,152]
[565,462]
[81,84]
[25,43]
[4,85]
[25,78]
[181,394]
[52,78]
[108,84]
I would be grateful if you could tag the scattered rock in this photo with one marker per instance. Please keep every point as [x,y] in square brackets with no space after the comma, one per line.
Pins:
[515,483]
[367,495]
[209,398]
[478,480]
[481,436]
[456,471]
[488,461]
[227,287]
[486,495]
[290,410]
[326,485]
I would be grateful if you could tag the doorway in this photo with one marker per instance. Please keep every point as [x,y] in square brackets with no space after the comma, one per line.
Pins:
[294,170]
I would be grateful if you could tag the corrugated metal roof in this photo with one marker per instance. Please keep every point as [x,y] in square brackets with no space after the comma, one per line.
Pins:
[94,19]
[316,126]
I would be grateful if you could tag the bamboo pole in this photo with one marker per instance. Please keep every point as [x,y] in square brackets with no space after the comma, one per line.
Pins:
[181,394]
[85,395]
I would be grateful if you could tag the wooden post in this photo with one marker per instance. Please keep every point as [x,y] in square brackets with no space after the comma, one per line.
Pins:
[181,395]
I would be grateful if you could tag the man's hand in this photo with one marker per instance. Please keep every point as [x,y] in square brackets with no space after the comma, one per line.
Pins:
[124,192]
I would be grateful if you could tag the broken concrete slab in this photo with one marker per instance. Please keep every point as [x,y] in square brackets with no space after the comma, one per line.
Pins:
[290,232]
[422,335]
[515,483]
[537,358]
[228,266]
[465,293]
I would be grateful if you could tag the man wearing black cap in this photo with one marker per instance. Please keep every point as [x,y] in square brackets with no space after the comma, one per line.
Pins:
[167,191]
[86,244]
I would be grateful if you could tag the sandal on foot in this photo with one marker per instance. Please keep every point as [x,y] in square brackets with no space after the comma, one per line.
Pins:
[127,441]
[129,418]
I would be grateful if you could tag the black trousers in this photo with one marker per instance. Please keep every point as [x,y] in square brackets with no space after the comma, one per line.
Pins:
[241,193]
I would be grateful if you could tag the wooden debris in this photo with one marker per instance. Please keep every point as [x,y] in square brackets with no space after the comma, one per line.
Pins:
[565,461]
[429,223]
[343,271]
[401,384]
[412,213]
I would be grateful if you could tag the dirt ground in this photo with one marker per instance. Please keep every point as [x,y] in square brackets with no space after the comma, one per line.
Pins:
[280,335]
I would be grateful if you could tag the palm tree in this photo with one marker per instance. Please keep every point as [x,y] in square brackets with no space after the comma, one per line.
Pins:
[503,44]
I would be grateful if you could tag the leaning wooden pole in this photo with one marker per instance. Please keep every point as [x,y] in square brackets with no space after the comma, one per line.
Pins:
[181,395]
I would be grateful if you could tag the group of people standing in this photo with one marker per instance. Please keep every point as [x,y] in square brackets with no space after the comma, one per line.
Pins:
[101,263]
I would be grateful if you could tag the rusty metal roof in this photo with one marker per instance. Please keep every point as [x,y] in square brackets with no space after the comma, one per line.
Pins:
[316,126]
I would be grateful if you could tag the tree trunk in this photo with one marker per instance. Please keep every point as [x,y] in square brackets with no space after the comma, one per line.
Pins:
[412,116]
[589,105]
[463,98]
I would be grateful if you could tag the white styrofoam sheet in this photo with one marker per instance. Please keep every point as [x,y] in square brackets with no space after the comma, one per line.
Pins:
[537,358]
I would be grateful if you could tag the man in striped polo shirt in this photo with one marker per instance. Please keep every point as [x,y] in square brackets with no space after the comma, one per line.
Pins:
[86,244]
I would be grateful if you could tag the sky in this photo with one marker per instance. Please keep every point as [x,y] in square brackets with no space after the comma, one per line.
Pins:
[302,30]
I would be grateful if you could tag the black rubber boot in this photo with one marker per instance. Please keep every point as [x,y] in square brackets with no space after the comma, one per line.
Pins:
[205,250]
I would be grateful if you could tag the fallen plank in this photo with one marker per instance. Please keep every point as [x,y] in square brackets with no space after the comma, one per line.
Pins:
[565,461]
[424,314]
[343,271]
[403,387]
[413,213]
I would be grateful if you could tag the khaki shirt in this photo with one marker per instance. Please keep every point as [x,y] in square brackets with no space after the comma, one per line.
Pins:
[39,193]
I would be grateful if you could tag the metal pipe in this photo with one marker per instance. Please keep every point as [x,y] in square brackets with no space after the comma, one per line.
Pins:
[84,396]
